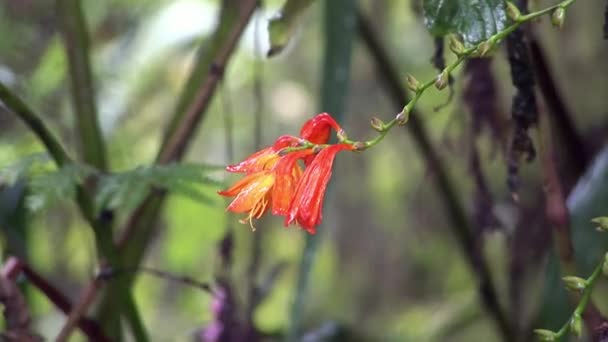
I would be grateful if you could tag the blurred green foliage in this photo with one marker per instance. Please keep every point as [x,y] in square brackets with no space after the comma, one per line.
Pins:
[387,267]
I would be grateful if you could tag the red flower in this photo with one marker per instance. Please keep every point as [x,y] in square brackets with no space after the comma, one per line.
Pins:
[275,180]
[307,203]
[317,129]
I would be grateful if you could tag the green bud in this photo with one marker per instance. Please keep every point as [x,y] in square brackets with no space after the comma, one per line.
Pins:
[602,223]
[574,283]
[442,80]
[377,124]
[456,45]
[545,335]
[412,83]
[605,265]
[558,16]
[403,117]
[484,48]
[576,325]
[512,11]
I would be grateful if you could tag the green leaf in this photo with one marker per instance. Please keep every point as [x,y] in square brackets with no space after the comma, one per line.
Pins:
[126,190]
[56,186]
[282,26]
[22,168]
[473,20]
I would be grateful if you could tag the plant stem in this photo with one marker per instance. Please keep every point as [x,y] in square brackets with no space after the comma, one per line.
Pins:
[339,27]
[33,121]
[76,40]
[468,52]
[582,304]
[460,226]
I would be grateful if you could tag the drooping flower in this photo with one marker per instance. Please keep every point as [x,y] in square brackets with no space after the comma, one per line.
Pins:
[307,203]
[274,179]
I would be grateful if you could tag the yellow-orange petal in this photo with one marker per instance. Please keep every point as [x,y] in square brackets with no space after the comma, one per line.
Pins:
[288,173]
[253,189]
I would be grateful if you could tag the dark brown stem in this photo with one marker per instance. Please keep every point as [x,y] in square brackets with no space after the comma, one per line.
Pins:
[576,151]
[11,270]
[460,223]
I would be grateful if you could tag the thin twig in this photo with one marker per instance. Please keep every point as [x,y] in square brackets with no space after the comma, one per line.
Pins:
[460,223]
[11,270]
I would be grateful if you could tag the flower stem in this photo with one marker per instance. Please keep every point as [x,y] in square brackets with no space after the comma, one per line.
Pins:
[467,53]
[582,304]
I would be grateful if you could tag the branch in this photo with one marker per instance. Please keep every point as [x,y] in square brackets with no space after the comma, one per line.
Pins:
[460,223]
[576,149]
[138,230]
[33,121]
[11,270]
[104,243]
[76,41]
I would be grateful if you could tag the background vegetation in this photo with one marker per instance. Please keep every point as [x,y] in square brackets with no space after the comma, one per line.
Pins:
[386,264]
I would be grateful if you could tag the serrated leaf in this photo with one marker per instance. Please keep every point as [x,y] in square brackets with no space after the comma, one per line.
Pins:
[22,168]
[282,26]
[473,20]
[126,190]
[56,186]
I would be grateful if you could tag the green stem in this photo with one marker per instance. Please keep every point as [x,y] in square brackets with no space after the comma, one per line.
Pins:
[76,40]
[464,55]
[582,304]
[33,121]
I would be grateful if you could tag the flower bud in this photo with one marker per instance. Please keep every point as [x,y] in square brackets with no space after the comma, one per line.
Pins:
[456,45]
[512,11]
[377,124]
[602,223]
[403,117]
[412,83]
[574,283]
[576,325]
[558,16]
[484,48]
[545,335]
[442,80]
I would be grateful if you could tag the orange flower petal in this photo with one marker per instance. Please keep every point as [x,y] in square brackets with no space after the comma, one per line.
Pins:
[251,190]
[307,204]
[288,173]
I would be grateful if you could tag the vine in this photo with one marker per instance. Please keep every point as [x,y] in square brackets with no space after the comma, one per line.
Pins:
[441,81]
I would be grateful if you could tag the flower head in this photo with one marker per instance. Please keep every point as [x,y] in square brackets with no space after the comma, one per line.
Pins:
[307,203]
[275,180]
